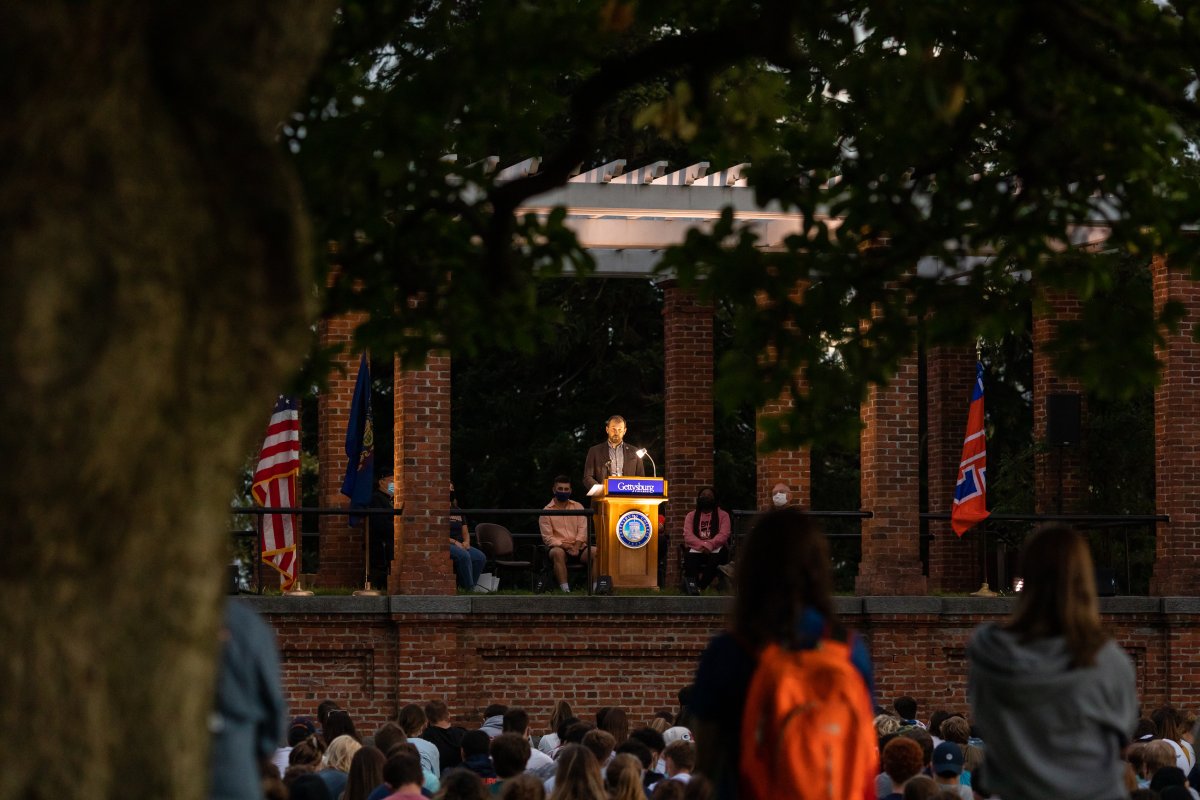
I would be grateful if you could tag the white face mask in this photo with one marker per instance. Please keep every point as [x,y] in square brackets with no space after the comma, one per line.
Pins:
[780,499]
[391,490]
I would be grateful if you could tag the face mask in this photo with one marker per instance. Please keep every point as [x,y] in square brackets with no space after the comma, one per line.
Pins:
[391,490]
[706,503]
[661,766]
[780,499]
[562,497]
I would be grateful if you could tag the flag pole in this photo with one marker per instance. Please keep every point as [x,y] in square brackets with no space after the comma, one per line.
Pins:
[298,589]
[367,591]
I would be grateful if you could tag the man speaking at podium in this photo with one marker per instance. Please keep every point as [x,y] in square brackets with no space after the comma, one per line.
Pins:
[612,457]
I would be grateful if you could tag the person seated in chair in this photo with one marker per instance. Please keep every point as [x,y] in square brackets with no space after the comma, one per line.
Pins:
[566,538]
[468,561]
[706,531]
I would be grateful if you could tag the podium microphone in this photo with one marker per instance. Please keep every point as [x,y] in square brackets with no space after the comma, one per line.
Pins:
[642,453]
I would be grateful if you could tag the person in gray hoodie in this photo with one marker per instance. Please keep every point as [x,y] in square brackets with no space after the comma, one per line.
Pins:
[1052,695]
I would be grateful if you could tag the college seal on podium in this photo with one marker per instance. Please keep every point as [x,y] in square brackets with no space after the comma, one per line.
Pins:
[633,529]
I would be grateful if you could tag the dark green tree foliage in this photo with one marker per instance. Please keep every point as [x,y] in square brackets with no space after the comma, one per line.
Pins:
[924,130]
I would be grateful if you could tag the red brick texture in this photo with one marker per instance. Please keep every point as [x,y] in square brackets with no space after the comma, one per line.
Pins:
[791,466]
[421,562]
[688,409]
[341,547]
[373,664]
[949,376]
[890,464]
[1059,307]
[1176,433]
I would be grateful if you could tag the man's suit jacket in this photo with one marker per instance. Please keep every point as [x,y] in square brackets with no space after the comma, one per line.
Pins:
[595,469]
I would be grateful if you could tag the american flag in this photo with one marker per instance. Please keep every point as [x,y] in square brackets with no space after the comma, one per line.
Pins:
[275,487]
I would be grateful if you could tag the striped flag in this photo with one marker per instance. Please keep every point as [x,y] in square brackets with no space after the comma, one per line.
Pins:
[970,493]
[275,487]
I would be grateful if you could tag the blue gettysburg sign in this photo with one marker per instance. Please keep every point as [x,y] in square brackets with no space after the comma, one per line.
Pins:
[638,487]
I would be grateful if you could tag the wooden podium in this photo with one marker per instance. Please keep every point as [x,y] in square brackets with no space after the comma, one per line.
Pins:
[627,530]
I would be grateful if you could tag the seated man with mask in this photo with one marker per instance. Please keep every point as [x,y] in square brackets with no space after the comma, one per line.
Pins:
[565,537]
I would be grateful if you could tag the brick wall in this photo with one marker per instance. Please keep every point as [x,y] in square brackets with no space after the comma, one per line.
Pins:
[1176,432]
[890,448]
[341,547]
[373,655]
[687,408]
[1047,464]
[949,375]
[421,564]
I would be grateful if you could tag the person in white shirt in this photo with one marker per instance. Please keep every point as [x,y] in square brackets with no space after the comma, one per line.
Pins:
[516,720]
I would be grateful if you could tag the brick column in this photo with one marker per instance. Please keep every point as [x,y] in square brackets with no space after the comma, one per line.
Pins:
[421,563]
[340,546]
[949,376]
[891,546]
[791,466]
[1058,307]
[1176,432]
[688,408]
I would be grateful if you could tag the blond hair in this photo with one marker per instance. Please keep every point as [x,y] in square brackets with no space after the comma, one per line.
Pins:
[341,752]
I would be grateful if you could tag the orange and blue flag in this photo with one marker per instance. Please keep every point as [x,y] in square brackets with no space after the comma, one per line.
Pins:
[970,493]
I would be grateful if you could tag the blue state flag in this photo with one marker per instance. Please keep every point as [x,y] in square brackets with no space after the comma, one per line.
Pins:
[360,444]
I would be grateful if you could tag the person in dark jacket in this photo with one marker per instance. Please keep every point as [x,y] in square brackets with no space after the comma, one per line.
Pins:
[475,748]
[446,737]
[382,537]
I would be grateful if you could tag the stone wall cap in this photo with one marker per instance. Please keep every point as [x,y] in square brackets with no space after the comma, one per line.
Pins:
[320,604]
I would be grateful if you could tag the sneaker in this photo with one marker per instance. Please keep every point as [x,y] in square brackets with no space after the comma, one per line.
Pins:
[726,570]
[480,588]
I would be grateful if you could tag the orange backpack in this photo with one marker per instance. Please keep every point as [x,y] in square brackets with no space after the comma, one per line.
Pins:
[808,728]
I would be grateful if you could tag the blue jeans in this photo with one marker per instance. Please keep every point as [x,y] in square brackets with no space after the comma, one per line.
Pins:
[468,565]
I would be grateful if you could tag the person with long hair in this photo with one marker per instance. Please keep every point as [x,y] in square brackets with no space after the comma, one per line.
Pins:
[366,773]
[616,722]
[623,777]
[559,714]
[337,763]
[784,596]
[339,723]
[706,531]
[578,775]
[1051,694]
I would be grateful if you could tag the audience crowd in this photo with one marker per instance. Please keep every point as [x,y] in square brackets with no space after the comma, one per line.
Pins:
[605,757]
[1053,713]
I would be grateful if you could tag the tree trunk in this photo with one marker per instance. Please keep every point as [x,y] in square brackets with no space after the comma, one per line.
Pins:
[155,285]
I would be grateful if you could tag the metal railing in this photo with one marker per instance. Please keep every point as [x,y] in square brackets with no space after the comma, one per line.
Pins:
[1103,524]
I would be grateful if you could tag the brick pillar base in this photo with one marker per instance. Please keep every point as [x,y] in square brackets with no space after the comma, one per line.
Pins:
[340,546]
[949,376]
[1176,431]
[891,554]
[421,563]
[688,408]
[1052,491]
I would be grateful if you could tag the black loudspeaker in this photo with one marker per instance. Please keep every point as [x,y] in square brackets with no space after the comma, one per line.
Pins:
[1062,419]
[604,585]
[1106,582]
